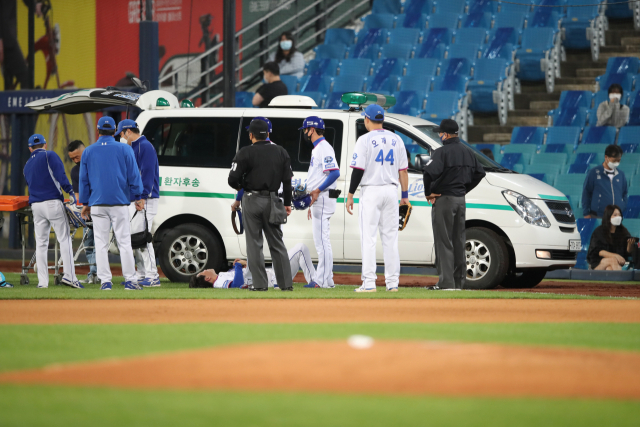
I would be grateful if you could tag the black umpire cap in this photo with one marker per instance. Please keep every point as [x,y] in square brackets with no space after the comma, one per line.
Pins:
[259,129]
[447,126]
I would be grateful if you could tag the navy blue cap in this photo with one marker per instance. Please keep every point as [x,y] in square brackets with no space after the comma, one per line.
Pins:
[264,119]
[126,124]
[312,122]
[106,123]
[36,139]
[374,112]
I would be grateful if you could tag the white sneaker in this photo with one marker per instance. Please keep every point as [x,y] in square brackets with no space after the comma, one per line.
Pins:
[392,289]
[363,289]
[43,287]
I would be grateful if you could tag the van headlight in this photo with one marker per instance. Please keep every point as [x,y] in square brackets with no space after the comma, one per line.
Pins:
[528,210]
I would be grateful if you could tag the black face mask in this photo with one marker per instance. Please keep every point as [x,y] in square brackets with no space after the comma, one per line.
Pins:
[306,136]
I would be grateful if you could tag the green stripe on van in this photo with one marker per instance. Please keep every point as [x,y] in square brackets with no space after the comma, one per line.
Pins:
[545,196]
[198,194]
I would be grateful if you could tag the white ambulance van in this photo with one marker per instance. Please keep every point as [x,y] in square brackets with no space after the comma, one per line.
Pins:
[518,228]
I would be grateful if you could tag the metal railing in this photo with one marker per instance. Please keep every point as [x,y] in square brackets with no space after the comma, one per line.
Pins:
[309,16]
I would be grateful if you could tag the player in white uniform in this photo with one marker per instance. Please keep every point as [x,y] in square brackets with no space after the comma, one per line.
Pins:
[239,276]
[380,166]
[323,173]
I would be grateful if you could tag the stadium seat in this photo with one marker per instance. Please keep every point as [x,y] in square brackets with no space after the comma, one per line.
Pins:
[559,148]
[471,35]
[515,7]
[573,179]
[426,67]
[387,6]
[510,20]
[434,43]
[489,76]
[629,148]
[618,10]
[444,20]
[573,191]
[339,35]
[558,159]
[397,50]
[358,66]
[441,105]
[371,52]
[537,44]
[318,97]
[587,159]
[409,102]
[575,99]
[386,75]
[471,51]
[405,36]
[578,169]
[563,135]
[379,20]
[315,83]
[415,83]
[628,166]
[569,117]
[585,228]
[371,36]
[458,66]
[619,70]
[415,14]
[348,83]
[323,67]
[456,6]
[510,160]
[549,171]
[632,160]
[579,22]
[632,209]
[545,17]
[450,82]
[633,225]
[243,99]
[291,82]
[599,135]
[501,43]
[477,20]
[495,148]
[335,50]
[529,149]
[628,135]
[417,21]
[590,148]
[482,6]
[634,191]
[634,109]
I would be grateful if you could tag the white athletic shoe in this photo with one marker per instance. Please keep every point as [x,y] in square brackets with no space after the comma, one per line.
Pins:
[43,287]
[392,289]
[363,289]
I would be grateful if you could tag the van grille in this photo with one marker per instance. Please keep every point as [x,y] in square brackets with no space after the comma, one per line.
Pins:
[560,255]
[561,211]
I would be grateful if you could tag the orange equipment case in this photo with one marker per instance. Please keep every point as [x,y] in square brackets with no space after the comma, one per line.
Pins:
[13,203]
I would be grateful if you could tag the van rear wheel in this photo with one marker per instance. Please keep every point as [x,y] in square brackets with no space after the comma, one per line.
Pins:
[189,249]
[487,259]
[525,279]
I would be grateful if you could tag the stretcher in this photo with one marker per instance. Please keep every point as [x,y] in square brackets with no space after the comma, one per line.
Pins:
[20,206]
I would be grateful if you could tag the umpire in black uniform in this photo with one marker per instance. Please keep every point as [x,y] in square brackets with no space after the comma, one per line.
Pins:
[452,172]
[259,169]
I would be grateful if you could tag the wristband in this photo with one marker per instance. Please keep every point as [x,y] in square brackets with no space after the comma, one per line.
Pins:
[405,194]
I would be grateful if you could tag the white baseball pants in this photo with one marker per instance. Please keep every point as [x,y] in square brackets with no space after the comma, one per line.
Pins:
[300,259]
[379,211]
[117,217]
[145,258]
[49,214]
[321,213]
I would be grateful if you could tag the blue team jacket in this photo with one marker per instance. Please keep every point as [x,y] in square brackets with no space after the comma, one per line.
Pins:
[109,174]
[44,173]
[599,191]
[147,160]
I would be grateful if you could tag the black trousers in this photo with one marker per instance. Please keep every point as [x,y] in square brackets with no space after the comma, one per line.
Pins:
[448,219]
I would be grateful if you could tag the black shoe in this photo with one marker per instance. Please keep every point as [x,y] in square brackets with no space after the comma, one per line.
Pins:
[286,289]
[251,288]
[433,288]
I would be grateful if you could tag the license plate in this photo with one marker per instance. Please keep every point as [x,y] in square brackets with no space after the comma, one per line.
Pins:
[575,245]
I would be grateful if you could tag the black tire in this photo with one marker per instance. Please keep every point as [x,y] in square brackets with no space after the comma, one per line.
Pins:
[492,249]
[525,279]
[188,249]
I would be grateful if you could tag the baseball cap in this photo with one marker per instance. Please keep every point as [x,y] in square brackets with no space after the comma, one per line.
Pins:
[36,139]
[374,112]
[264,119]
[259,128]
[312,122]
[106,123]
[447,126]
[126,124]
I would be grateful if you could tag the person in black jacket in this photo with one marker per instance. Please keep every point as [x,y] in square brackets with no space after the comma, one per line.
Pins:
[611,243]
[452,172]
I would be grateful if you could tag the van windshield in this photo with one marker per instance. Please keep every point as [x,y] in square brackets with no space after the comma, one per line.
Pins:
[488,164]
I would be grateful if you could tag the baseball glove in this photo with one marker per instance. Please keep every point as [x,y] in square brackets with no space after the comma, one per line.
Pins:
[405,213]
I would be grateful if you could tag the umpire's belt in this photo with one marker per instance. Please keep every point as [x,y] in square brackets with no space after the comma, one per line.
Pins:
[265,193]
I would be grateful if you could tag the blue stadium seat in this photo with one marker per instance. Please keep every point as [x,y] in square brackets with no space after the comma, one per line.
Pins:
[633,207]
[441,105]
[545,17]
[489,75]
[348,83]
[243,99]
[464,50]
[371,36]
[476,6]
[535,43]
[618,10]
[550,172]
[510,20]
[379,20]
[528,149]
[576,24]
[629,148]
[495,148]
[371,52]
[558,159]
[409,102]
[471,35]
[518,7]
[510,160]
[558,148]
[570,117]
[457,66]
[633,225]
[323,67]
[426,67]
[335,50]
[450,82]
[628,135]
[578,169]
[415,14]
[434,43]
[386,75]
[590,148]
[619,70]
[416,83]
[501,43]
[457,6]
[585,228]
[563,135]
[397,50]
[634,109]
[573,179]
[387,6]
[339,35]
[318,97]
[444,20]
[575,99]
[405,35]
[314,83]
[599,135]
[477,20]
[358,66]
[333,101]
[418,21]
[291,82]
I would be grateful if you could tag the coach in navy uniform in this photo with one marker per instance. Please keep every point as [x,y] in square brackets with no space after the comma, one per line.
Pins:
[259,169]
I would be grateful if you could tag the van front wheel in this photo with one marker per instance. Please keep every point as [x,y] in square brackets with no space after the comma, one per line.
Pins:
[189,249]
[486,257]
[526,279]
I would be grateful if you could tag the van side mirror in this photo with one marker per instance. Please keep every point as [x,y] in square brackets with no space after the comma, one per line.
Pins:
[422,160]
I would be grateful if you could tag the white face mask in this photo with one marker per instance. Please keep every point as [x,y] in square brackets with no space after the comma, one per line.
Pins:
[612,165]
[286,44]
[613,96]
[124,141]
[616,220]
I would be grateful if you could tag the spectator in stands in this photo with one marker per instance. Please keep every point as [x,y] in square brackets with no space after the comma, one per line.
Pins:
[611,243]
[605,185]
[272,86]
[487,152]
[612,112]
[290,61]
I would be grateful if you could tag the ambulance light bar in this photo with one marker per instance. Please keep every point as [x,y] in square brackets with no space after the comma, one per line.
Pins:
[357,100]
